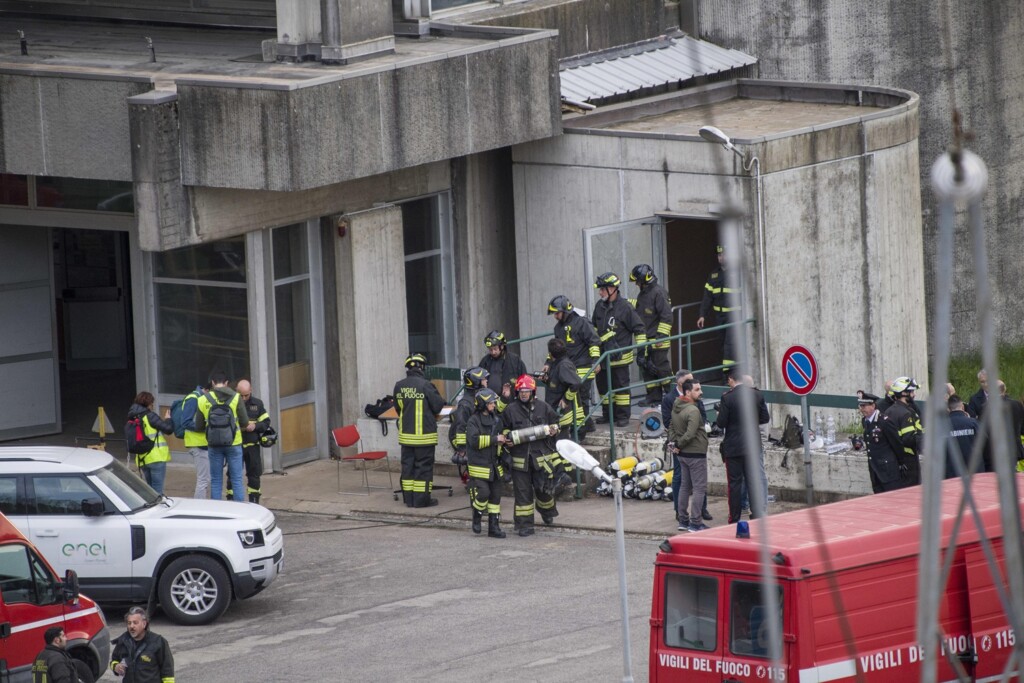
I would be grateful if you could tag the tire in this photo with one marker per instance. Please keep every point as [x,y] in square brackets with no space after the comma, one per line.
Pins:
[194,590]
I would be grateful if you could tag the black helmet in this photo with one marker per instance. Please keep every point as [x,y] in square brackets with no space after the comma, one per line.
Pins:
[608,279]
[494,338]
[415,360]
[483,397]
[560,303]
[268,438]
[641,274]
[474,378]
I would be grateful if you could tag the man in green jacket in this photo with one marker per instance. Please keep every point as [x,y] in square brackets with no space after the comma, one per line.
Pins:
[688,443]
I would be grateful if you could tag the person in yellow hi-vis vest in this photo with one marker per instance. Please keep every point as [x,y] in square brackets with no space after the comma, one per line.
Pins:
[222,415]
[153,464]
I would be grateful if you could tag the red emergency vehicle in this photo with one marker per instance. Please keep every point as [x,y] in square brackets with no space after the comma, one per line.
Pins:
[32,599]
[858,561]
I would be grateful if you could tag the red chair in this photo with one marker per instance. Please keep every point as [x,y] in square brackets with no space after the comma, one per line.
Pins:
[347,437]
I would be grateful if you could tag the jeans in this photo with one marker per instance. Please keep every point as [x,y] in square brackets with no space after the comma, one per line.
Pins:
[202,463]
[155,473]
[218,456]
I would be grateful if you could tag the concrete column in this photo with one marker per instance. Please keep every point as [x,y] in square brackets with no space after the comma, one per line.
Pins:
[371,298]
[298,30]
[355,29]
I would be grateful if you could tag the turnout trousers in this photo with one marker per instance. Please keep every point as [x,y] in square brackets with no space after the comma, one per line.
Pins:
[620,399]
[528,486]
[417,475]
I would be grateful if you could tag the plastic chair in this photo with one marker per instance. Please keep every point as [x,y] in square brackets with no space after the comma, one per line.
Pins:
[348,436]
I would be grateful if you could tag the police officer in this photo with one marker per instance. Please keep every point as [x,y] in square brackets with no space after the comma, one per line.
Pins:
[252,457]
[417,402]
[473,380]
[655,309]
[483,439]
[618,326]
[883,464]
[503,365]
[562,386]
[721,297]
[903,429]
[534,461]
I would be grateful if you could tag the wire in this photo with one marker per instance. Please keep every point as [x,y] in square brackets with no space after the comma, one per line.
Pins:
[382,523]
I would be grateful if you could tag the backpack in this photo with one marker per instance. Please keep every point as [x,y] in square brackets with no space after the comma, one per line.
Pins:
[221,426]
[792,433]
[135,436]
[378,408]
[178,418]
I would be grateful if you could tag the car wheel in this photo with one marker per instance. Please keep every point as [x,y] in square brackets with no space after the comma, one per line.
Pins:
[194,590]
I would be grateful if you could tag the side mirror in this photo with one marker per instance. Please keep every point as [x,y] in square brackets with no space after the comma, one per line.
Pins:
[69,589]
[92,507]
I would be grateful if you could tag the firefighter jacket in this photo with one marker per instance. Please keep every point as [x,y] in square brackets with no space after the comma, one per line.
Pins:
[530,455]
[582,346]
[730,418]
[417,401]
[562,385]
[617,325]
[723,300]
[481,446]
[460,418]
[148,660]
[154,427]
[54,665]
[903,423]
[505,369]
[257,415]
[882,459]
[655,309]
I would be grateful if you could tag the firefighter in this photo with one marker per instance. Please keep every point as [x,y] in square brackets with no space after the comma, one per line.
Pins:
[483,439]
[655,309]
[503,365]
[581,345]
[721,297]
[473,380]
[252,457]
[533,461]
[418,402]
[562,386]
[618,326]
[902,428]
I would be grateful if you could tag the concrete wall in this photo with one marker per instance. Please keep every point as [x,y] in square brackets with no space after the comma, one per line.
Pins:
[900,44]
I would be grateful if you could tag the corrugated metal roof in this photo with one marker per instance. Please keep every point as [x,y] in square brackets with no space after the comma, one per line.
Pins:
[669,61]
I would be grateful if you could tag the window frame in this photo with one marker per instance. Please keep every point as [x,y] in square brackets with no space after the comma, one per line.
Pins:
[697,577]
[32,498]
[39,575]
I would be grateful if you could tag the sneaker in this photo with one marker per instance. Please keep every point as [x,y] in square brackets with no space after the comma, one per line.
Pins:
[697,527]
[683,527]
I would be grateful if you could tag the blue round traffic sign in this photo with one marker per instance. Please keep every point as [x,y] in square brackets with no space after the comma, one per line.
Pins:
[799,370]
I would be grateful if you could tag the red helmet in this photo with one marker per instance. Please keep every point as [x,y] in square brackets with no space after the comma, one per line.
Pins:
[526,382]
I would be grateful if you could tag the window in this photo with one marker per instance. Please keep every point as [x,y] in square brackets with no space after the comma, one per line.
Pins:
[429,292]
[9,496]
[292,308]
[127,486]
[748,625]
[691,612]
[61,495]
[202,315]
[85,195]
[24,577]
[13,189]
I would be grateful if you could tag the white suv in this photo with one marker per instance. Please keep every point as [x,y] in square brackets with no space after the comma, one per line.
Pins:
[87,511]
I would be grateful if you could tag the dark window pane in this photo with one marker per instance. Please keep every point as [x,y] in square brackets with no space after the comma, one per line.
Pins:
[423,304]
[61,495]
[294,337]
[290,253]
[691,612]
[436,5]
[88,195]
[749,619]
[222,261]
[420,226]
[13,189]
[9,496]
[200,328]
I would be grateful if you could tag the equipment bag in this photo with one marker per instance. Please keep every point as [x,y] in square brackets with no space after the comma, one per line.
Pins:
[178,417]
[135,436]
[378,408]
[792,433]
[221,426]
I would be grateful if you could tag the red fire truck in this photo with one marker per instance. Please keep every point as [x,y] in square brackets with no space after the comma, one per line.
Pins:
[849,566]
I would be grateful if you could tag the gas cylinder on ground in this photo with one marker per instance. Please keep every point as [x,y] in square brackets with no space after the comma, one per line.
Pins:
[648,466]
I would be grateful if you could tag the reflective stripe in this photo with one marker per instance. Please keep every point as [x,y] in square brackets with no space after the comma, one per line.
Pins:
[493,508]
[595,351]
[607,335]
[546,506]
[53,620]
[407,484]
[664,328]
[479,472]
[829,672]
[524,510]
[485,441]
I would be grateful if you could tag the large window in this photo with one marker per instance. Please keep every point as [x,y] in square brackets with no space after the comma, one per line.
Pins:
[45,192]
[24,578]
[202,317]
[291,302]
[691,612]
[429,291]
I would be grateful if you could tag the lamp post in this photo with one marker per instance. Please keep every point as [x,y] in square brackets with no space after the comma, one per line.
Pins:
[578,456]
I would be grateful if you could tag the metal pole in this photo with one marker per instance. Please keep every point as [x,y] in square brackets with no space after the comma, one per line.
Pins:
[620,546]
[805,415]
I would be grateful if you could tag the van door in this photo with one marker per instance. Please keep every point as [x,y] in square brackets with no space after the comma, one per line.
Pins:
[993,639]
[687,643]
[746,654]
[32,602]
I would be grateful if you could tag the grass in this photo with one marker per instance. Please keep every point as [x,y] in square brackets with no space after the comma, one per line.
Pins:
[963,372]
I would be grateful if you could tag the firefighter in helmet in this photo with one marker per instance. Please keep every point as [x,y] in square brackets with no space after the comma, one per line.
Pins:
[503,365]
[901,426]
[582,346]
[722,297]
[417,401]
[483,440]
[655,309]
[618,326]
[473,380]
[562,385]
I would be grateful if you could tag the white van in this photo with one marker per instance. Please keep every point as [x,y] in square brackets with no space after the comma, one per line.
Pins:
[87,511]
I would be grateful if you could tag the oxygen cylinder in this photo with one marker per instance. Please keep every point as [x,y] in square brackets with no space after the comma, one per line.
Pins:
[666,483]
[604,489]
[527,434]
[648,466]
[650,481]
[623,465]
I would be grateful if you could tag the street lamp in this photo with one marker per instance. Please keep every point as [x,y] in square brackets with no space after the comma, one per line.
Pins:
[712,134]
[581,458]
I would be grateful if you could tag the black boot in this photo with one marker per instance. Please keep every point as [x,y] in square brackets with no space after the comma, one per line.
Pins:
[526,531]
[493,529]
[477,516]
[254,498]
[547,518]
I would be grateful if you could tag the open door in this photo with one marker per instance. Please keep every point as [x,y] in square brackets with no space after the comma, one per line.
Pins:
[29,373]
[618,248]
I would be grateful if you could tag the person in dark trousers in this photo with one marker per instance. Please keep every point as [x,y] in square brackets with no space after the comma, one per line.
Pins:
[417,402]
[153,465]
[483,439]
[903,426]
[54,665]
[220,395]
[721,298]
[655,309]
[582,346]
[734,450]
[252,452]
[883,463]
[503,365]
[618,326]
[688,442]
[667,402]
[976,404]
[473,380]
[963,431]
[140,655]
[561,391]
[1015,416]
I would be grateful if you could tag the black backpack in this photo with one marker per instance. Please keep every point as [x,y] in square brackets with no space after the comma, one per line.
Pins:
[792,433]
[221,426]
[135,436]
[378,408]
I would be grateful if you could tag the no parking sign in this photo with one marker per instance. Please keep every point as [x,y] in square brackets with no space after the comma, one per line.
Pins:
[799,370]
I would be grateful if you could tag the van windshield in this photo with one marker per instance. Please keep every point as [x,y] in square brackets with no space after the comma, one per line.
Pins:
[133,491]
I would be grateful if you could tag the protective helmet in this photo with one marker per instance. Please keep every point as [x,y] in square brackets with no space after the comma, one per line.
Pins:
[641,274]
[526,382]
[494,338]
[483,397]
[560,303]
[719,249]
[609,279]
[268,438]
[474,378]
[902,385]
[415,360]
